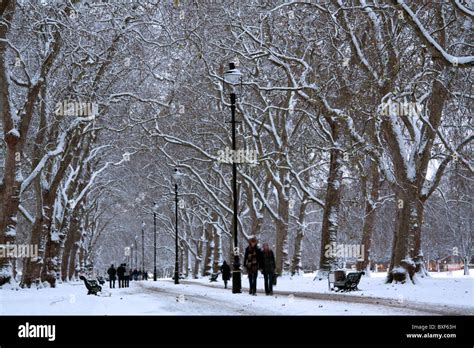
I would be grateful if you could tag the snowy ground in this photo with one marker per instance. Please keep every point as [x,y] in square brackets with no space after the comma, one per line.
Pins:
[442,292]
[293,296]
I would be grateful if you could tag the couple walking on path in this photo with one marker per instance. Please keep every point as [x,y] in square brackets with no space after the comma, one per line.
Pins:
[256,259]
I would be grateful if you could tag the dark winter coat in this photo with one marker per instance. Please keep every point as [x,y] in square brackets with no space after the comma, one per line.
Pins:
[120,272]
[253,259]
[268,262]
[225,269]
[126,273]
[112,272]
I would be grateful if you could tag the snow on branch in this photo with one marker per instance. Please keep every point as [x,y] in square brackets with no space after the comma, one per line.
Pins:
[95,175]
[431,186]
[26,214]
[464,8]
[133,96]
[435,48]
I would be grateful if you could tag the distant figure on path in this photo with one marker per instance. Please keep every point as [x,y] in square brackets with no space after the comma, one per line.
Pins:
[225,269]
[112,272]
[268,268]
[252,261]
[121,275]
[126,277]
[145,275]
[135,274]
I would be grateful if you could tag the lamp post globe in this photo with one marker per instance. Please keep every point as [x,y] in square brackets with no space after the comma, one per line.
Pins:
[233,75]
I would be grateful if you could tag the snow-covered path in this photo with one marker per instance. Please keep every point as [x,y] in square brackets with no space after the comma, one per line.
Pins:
[349,299]
[196,298]
[440,294]
[165,298]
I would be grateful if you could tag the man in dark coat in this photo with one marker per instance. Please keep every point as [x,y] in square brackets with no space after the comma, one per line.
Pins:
[252,261]
[225,269]
[121,275]
[112,272]
[268,268]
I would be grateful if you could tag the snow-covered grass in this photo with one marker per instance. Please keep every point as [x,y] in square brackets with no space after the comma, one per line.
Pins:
[200,297]
[165,298]
[451,289]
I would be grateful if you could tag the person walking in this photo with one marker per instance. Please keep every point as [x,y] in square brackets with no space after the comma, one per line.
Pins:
[252,261]
[268,268]
[135,274]
[130,276]
[120,275]
[112,272]
[225,269]
[126,277]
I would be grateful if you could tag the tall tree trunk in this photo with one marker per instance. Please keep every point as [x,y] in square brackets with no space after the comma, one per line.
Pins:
[216,258]
[32,266]
[186,262]
[418,258]
[466,265]
[198,258]
[10,197]
[369,217]
[330,223]
[209,251]
[181,249]
[82,265]
[281,255]
[296,265]
[402,266]
[10,185]
[71,274]
[68,230]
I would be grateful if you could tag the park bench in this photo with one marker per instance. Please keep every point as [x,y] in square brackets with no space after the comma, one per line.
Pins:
[344,282]
[92,287]
[214,277]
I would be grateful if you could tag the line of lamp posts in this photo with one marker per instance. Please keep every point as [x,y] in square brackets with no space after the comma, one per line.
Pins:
[232,77]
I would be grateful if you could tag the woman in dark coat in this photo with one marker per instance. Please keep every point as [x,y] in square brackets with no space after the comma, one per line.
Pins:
[268,268]
[225,269]
[121,276]
[252,261]
[112,272]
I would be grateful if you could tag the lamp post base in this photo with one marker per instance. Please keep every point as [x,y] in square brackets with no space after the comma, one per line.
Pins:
[236,276]
[176,277]
[154,275]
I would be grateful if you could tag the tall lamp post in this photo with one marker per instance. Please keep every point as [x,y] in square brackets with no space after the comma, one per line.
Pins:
[155,209]
[176,180]
[136,252]
[232,76]
[143,249]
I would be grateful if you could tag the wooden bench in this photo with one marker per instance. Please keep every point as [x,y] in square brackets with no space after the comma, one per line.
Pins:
[214,277]
[92,287]
[344,282]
